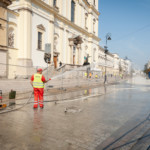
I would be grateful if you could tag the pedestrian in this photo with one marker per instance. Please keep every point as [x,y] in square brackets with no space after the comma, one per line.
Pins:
[105,78]
[96,76]
[85,74]
[60,64]
[90,74]
[37,82]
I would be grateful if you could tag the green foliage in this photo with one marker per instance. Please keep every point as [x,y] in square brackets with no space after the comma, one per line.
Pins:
[146,69]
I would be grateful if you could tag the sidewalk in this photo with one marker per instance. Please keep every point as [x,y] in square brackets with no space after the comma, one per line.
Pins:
[23,85]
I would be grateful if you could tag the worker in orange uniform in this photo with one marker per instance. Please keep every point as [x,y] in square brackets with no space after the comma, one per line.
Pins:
[37,81]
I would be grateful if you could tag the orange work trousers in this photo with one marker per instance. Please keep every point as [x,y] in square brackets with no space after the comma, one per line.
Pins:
[38,95]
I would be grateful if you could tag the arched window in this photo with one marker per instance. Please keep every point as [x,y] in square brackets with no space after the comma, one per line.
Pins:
[72,11]
[56,38]
[94,55]
[11,37]
[86,17]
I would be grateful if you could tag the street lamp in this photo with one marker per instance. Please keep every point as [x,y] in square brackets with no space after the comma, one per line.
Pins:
[108,37]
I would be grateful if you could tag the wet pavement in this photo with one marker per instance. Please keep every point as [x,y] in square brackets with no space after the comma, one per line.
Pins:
[23,85]
[109,117]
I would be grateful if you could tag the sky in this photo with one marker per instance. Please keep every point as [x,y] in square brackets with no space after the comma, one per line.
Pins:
[128,21]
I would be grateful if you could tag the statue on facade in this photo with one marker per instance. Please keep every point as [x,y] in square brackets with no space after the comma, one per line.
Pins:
[11,39]
[86,60]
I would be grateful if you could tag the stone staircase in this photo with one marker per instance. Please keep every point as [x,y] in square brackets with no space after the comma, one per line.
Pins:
[52,72]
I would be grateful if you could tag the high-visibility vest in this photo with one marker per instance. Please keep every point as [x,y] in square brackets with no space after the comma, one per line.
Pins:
[37,82]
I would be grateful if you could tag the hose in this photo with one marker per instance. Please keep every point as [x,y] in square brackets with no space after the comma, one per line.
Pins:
[126,133]
[148,148]
[138,139]
[6,111]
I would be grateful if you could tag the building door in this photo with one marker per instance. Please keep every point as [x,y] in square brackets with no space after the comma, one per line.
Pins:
[55,61]
[73,59]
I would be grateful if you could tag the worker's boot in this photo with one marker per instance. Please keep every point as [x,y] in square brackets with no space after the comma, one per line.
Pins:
[41,103]
[41,106]
[35,104]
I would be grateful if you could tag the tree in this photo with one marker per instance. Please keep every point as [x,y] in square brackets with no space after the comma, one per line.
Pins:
[126,58]
[146,69]
[120,67]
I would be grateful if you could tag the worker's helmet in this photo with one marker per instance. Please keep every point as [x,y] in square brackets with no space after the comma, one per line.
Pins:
[39,70]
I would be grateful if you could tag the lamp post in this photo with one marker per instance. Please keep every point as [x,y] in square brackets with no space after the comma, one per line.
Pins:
[108,37]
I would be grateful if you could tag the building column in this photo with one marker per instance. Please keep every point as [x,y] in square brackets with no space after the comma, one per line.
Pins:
[64,47]
[71,51]
[51,40]
[25,39]
[79,53]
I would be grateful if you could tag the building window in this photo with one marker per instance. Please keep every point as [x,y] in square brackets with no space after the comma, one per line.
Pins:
[40,36]
[86,17]
[72,11]
[94,21]
[54,2]
[56,41]
[40,40]
[94,54]
[74,50]
[94,2]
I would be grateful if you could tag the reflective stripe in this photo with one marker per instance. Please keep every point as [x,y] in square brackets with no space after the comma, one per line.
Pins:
[37,82]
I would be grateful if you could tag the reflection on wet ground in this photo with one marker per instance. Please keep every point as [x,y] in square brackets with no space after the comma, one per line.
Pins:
[100,122]
[82,93]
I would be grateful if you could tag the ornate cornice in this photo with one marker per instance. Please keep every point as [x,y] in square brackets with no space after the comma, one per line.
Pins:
[3,19]
[25,8]
[51,21]
[95,10]
[46,6]
[61,28]
[13,12]
[92,7]
[3,48]
[5,3]
[12,23]
[67,31]
[41,27]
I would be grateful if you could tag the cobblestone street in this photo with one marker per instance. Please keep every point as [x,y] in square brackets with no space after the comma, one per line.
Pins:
[88,124]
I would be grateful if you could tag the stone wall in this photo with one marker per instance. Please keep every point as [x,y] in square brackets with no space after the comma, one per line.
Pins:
[3,60]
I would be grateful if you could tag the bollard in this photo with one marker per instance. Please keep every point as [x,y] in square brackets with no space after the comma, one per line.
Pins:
[12,96]
[1,96]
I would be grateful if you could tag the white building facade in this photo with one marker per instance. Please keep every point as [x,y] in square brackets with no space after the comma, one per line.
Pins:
[67,29]
[70,28]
